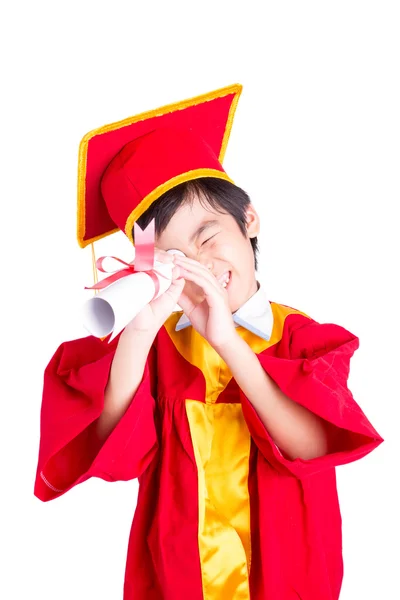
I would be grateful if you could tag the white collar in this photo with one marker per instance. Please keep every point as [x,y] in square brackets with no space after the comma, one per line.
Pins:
[255,315]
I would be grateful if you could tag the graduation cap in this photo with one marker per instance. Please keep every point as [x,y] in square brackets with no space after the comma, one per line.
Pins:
[125,166]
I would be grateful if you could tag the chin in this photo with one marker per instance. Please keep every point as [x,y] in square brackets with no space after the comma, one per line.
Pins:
[234,301]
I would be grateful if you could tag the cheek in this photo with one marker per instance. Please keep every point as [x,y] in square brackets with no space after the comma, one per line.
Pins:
[222,251]
[233,254]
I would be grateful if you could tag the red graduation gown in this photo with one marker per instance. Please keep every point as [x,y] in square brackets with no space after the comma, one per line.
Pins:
[221,513]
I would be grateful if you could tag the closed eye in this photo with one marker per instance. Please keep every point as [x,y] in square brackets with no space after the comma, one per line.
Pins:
[205,241]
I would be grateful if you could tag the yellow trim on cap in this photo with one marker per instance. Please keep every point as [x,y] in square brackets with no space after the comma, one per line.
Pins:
[228,127]
[81,216]
[158,112]
[165,187]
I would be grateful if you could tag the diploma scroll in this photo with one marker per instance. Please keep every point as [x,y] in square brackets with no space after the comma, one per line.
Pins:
[115,306]
[123,295]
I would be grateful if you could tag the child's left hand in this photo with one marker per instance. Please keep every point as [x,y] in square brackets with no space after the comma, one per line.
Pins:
[212,317]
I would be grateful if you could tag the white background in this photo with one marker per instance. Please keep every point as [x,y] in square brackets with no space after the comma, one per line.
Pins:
[315,142]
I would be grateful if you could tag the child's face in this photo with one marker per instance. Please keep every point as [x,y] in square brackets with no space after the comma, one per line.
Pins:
[221,247]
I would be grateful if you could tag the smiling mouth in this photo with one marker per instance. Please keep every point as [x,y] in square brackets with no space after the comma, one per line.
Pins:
[226,279]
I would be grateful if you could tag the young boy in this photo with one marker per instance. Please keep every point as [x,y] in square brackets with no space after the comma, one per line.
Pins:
[232,415]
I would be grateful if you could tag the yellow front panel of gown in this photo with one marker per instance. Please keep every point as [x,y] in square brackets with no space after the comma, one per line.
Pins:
[221,443]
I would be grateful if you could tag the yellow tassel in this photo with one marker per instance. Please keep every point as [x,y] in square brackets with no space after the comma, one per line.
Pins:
[95,278]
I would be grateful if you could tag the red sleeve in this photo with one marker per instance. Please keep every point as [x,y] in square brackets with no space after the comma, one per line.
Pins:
[73,398]
[312,367]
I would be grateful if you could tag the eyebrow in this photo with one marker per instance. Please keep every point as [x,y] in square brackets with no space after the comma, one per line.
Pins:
[203,226]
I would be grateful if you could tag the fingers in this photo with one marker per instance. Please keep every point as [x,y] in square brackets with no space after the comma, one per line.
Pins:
[163,256]
[209,286]
[197,271]
[177,279]
[186,304]
[193,265]
[175,290]
[177,274]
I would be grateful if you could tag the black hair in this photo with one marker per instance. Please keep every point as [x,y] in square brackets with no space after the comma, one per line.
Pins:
[222,195]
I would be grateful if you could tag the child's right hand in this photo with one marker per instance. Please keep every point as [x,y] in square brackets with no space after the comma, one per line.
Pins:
[154,314]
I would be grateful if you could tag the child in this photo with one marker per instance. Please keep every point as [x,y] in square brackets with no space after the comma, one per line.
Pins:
[232,415]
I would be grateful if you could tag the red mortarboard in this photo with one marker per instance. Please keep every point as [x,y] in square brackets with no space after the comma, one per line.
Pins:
[125,166]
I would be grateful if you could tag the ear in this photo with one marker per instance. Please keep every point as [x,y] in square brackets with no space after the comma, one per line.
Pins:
[253,221]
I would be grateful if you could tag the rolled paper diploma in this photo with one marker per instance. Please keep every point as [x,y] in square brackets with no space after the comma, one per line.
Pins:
[116,305]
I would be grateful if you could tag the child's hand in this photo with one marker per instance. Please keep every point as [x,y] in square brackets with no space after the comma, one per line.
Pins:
[154,314]
[212,316]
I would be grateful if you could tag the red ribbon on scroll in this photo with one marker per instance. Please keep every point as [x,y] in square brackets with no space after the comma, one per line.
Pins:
[143,262]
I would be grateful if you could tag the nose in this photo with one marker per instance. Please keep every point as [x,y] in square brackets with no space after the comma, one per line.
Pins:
[206,262]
